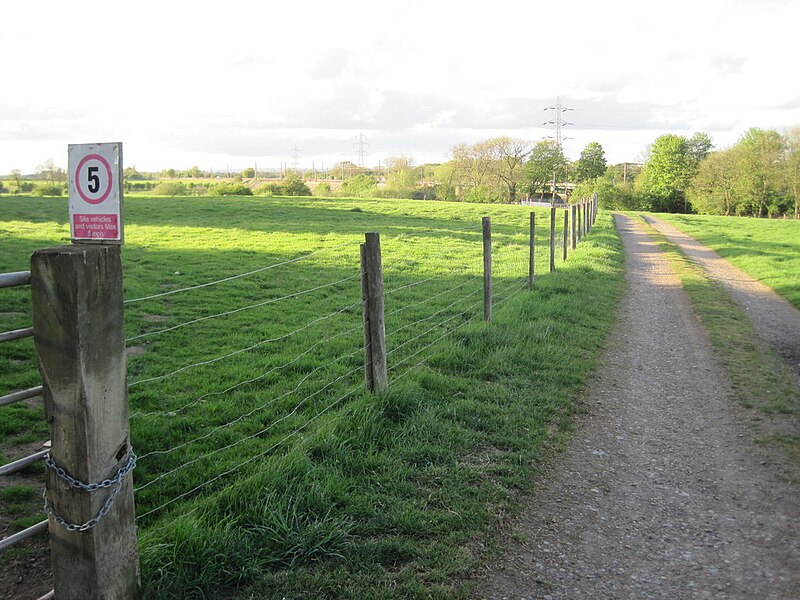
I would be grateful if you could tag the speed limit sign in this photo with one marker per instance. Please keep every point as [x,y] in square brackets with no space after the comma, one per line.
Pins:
[95,193]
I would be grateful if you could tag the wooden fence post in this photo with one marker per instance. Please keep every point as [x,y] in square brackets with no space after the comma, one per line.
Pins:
[376,375]
[532,244]
[580,221]
[565,241]
[369,381]
[487,268]
[573,212]
[595,206]
[585,219]
[79,336]
[552,238]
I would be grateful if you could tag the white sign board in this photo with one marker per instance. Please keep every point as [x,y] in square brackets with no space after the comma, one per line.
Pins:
[95,193]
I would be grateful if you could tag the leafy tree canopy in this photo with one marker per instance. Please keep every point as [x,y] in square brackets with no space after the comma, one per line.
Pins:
[592,163]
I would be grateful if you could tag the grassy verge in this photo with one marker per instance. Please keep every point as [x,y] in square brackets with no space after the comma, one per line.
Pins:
[270,468]
[762,381]
[765,249]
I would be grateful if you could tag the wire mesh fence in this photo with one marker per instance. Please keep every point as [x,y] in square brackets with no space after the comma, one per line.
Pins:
[225,372]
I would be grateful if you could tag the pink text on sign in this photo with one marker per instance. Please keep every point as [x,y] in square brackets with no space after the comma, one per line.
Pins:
[95,227]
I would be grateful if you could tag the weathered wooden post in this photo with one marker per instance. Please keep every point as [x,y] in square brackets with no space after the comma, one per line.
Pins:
[565,239]
[487,268]
[595,206]
[572,214]
[532,247]
[580,221]
[585,218]
[589,214]
[552,238]
[369,381]
[376,375]
[79,337]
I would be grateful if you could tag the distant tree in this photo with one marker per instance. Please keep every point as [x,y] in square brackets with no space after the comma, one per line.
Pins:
[48,171]
[592,162]
[714,189]
[131,174]
[362,186]
[698,147]
[293,185]
[346,169]
[169,173]
[445,182]
[664,177]
[546,163]
[792,167]
[402,179]
[474,171]
[249,173]
[194,172]
[509,156]
[624,173]
[609,196]
[16,177]
[760,167]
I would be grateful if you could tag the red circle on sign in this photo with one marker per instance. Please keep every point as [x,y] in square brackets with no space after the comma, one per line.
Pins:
[87,158]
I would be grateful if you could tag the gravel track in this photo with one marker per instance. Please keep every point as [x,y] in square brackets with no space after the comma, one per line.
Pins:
[773,318]
[660,494]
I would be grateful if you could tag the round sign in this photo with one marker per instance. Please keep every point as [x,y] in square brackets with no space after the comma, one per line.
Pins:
[93,179]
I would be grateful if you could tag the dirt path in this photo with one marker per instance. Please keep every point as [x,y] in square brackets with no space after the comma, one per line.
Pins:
[659,494]
[775,319]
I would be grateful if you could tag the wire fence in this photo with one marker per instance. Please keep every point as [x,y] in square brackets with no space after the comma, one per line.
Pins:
[216,390]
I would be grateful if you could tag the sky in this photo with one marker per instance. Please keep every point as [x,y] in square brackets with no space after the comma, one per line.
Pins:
[236,84]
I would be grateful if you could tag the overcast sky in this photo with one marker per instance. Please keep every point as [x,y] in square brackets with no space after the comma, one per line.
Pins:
[235,83]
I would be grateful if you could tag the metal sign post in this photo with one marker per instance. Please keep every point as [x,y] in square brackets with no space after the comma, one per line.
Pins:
[95,193]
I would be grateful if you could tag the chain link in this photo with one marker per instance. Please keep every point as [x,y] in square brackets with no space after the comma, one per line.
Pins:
[115,481]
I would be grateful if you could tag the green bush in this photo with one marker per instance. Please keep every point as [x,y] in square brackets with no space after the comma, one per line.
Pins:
[138,186]
[322,189]
[293,185]
[232,189]
[49,189]
[170,188]
[361,186]
[269,189]
[479,194]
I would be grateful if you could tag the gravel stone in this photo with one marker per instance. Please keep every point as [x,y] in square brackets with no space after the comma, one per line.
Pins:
[660,493]
[774,318]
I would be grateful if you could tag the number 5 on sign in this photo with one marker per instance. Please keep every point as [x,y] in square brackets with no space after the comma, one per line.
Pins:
[95,193]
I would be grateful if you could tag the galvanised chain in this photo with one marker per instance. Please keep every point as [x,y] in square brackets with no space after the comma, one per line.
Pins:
[115,481]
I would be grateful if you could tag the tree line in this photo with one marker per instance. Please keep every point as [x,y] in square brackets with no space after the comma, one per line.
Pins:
[757,176]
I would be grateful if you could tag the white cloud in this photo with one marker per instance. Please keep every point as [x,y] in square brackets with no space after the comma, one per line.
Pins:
[235,82]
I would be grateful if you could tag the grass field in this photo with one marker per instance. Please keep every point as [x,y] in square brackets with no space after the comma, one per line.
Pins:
[264,467]
[766,249]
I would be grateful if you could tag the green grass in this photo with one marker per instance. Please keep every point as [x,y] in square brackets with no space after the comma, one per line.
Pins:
[271,468]
[766,249]
[761,379]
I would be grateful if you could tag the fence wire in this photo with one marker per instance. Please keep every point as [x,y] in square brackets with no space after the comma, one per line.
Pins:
[240,275]
[420,313]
